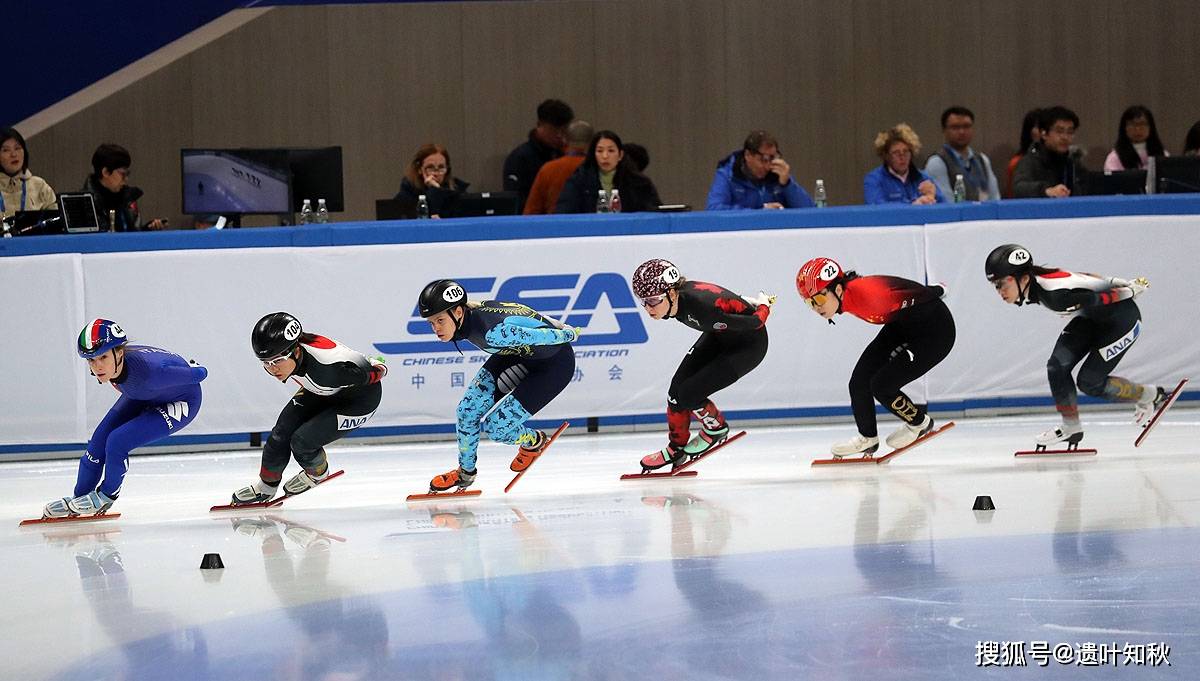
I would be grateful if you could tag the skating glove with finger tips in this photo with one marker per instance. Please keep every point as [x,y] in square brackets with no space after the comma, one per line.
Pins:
[763,298]
[571,333]
[1139,286]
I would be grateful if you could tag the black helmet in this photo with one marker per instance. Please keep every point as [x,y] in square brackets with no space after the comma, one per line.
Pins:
[276,335]
[439,296]
[1008,260]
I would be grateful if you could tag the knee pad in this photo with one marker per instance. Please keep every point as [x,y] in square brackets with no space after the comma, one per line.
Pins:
[1091,384]
[507,421]
[1057,372]
[303,449]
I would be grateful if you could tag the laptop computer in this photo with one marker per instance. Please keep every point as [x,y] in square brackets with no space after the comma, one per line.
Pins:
[472,205]
[79,213]
[35,223]
[402,208]
[1112,182]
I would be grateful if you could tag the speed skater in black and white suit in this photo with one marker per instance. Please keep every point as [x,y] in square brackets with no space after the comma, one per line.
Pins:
[1105,323]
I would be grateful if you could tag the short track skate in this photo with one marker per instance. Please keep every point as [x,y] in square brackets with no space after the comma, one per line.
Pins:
[868,458]
[549,442]
[70,519]
[1161,410]
[1072,449]
[276,502]
[681,470]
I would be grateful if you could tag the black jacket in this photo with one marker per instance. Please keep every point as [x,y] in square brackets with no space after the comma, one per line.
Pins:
[123,204]
[1041,169]
[580,193]
[522,165]
[441,199]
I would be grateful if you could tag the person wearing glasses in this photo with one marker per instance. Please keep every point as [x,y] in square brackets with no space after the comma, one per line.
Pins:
[113,195]
[429,174]
[1050,169]
[1137,141]
[897,179]
[917,334]
[733,341]
[339,392]
[160,396]
[756,176]
[1105,322]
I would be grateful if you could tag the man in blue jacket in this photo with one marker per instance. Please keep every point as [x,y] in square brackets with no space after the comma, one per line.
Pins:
[756,176]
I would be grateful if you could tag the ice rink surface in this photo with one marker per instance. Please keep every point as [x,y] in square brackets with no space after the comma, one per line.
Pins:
[762,567]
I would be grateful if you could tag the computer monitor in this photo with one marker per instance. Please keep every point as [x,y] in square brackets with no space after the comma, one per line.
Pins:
[1175,174]
[471,205]
[399,208]
[1110,182]
[316,175]
[236,181]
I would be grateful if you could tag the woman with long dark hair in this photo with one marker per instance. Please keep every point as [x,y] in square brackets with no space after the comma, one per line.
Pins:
[1030,133]
[606,167]
[1137,140]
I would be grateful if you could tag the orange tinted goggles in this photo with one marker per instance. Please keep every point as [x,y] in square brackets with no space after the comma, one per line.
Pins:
[817,300]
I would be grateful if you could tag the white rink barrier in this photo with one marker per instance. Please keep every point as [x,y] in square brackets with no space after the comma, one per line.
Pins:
[203,304]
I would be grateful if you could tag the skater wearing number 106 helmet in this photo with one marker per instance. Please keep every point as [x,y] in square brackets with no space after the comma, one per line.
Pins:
[733,341]
[1105,322]
[339,392]
[918,333]
[160,396]
[531,363]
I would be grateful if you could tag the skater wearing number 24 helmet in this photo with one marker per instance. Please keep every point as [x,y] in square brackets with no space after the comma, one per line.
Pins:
[733,341]
[531,363]
[917,334]
[1105,322]
[160,396]
[339,392]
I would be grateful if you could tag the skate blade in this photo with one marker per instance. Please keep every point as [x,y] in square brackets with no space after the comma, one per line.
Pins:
[915,443]
[843,461]
[1032,453]
[273,503]
[70,519]
[526,469]
[647,476]
[1161,410]
[682,471]
[444,495]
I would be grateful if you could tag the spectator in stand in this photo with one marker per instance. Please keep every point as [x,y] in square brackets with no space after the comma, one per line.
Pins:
[956,157]
[897,180]
[1030,133]
[19,188]
[607,167]
[639,156]
[1191,143]
[756,176]
[110,189]
[429,173]
[545,143]
[1137,140]
[1051,168]
[543,196]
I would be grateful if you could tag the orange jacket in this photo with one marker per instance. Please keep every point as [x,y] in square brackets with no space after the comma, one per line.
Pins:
[543,196]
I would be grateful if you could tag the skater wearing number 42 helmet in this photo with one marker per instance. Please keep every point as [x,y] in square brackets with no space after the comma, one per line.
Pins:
[1105,322]
[732,343]
[339,392]
[531,363]
[160,396]
[917,334]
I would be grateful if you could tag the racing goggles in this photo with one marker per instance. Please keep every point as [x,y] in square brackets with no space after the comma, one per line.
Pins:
[653,301]
[276,360]
[816,300]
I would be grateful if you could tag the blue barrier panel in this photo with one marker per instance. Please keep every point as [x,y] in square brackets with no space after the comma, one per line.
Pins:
[558,226]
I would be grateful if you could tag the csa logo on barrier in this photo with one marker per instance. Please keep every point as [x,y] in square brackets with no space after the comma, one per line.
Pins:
[602,301]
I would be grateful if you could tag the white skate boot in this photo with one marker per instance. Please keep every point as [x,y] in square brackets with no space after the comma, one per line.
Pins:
[908,434]
[1071,434]
[1152,399]
[92,503]
[304,481]
[256,493]
[859,444]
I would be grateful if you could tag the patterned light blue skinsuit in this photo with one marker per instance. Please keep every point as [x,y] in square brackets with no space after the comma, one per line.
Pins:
[160,395]
[531,362]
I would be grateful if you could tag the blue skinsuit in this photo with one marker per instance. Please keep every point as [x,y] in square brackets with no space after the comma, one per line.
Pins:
[160,395]
[531,363]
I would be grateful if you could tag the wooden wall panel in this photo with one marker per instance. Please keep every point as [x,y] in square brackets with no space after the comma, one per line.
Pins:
[686,79]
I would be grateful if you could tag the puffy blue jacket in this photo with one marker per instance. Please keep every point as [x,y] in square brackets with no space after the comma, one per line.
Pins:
[880,186]
[733,189]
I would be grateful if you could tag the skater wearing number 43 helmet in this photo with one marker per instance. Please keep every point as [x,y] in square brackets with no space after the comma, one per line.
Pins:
[531,363]
[160,396]
[1105,322]
[732,343]
[917,334]
[339,392]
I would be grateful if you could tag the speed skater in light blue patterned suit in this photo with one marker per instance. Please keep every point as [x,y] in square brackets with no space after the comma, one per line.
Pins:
[531,362]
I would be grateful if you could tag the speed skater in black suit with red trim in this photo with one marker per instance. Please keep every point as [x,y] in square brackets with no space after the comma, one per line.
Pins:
[1105,322]
[918,333]
[732,343]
